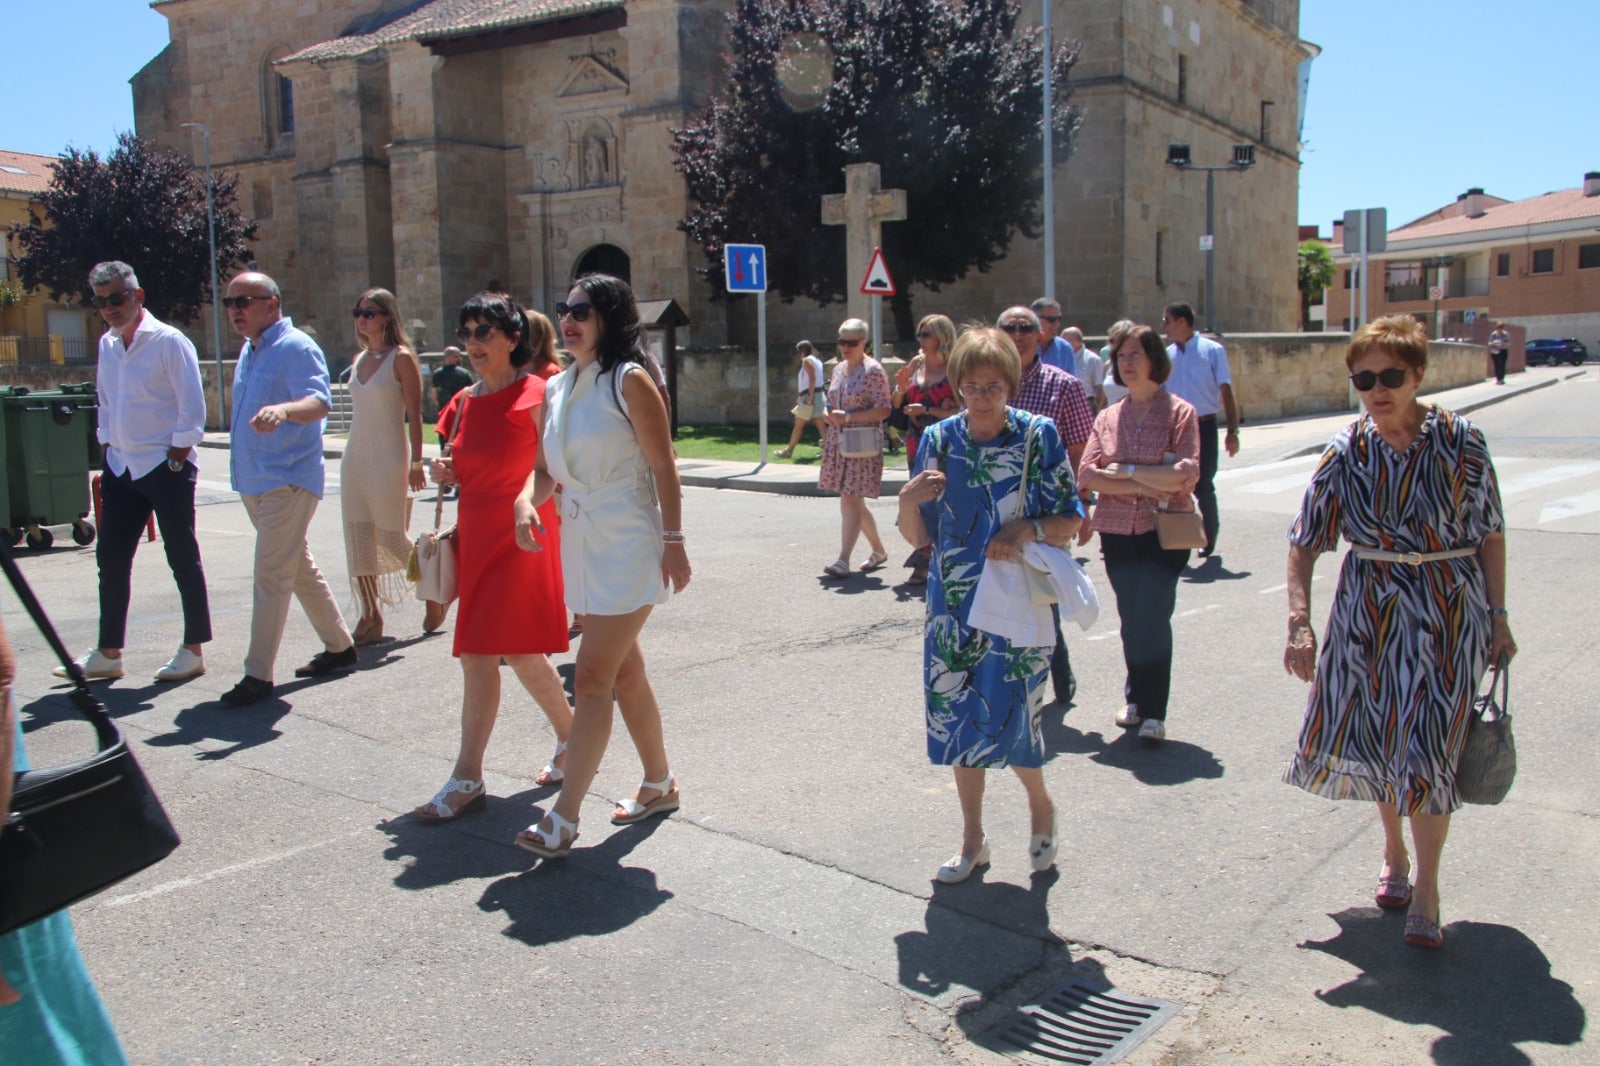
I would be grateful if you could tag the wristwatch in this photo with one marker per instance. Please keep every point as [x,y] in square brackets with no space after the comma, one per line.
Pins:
[175,465]
[1038,530]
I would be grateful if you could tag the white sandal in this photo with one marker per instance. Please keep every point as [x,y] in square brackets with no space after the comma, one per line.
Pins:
[630,810]
[958,868]
[438,809]
[553,774]
[554,844]
[1042,848]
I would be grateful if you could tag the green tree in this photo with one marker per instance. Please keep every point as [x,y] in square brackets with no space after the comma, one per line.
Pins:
[142,204]
[943,94]
[1316,272]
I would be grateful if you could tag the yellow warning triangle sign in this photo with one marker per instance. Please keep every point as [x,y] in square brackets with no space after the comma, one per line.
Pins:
[877,281]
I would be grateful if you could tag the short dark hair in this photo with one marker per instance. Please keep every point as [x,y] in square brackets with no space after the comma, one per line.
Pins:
[621,335]
[1154,350]
[502,312]
[1180,310]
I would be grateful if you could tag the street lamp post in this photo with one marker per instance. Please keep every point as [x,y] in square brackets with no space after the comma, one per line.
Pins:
[1049,166]
[216,313]
[1244,157]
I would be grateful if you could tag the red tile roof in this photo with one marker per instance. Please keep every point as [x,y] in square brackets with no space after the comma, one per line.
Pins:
[1560,206]
[442,19]
[24,173]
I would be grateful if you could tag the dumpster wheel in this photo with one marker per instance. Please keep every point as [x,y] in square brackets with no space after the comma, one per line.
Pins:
[40,538]
[82,532]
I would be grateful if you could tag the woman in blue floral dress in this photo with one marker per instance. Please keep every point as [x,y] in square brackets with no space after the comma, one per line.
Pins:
[984,696]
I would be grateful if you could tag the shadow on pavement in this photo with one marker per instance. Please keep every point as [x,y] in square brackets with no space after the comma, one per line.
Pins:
[589,893]
[978,938]
[474,846]
[1211,570]
[1489,989]
[56,705]
[1172,762]
[241,727]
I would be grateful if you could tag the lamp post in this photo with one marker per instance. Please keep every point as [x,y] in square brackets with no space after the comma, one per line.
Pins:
[1244,157]
[216,313]
[1049,167]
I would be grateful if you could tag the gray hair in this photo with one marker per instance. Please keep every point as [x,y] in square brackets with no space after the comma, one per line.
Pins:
[1014,311]
[113,270]
[1073,331]
[855,325]
[1045,303]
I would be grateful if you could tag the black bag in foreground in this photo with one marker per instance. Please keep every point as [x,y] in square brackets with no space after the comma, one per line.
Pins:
[76,829]
[1489,761]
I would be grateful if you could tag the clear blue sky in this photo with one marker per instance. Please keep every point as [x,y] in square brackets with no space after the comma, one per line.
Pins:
[1411,101]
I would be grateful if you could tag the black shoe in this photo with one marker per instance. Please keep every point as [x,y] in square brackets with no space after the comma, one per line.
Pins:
[326,662]
[250,690]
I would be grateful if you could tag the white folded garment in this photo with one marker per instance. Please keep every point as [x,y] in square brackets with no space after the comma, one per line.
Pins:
[1002,605]
[1074,591]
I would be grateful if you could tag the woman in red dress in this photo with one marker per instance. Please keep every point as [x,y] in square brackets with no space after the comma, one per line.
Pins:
[512,606]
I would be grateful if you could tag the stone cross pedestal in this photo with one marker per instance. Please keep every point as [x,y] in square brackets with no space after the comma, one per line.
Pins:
[862,209]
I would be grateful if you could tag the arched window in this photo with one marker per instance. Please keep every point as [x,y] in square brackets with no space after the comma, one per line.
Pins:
[605,259]
[277,101]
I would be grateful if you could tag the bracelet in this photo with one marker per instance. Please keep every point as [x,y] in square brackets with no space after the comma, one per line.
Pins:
[416,464]
[1499,612]
[672,536]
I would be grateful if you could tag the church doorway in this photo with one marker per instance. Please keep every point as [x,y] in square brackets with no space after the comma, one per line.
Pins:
[605,259]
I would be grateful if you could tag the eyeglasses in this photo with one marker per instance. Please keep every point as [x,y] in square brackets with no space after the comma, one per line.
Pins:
[924,334]
[1020,327]
[851,342]
[1050,318]
[241,302]
[481,332]
[116,299]
[1392,378]
[578,312]
[994,390]
[368,313]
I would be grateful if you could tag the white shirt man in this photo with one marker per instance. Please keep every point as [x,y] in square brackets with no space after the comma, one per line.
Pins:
[1086,366]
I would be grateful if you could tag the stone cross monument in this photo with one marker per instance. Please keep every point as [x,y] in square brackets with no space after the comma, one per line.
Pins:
[862,209]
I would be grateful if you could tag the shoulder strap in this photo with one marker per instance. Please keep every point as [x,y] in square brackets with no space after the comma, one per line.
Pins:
[1027,462]
[82,698]
[455,427]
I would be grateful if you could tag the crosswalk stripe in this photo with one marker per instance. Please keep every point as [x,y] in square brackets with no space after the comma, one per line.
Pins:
[1570,507]
[1550,475]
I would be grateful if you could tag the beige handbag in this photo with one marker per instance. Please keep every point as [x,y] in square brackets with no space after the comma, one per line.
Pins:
[1180,530]
[860,442]
[433,556]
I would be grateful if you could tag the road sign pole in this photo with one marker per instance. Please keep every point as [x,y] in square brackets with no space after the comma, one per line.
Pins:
[761,370]
[877,326]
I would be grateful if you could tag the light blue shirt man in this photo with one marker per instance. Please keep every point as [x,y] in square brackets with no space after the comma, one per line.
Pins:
[284,367]
[1199,370]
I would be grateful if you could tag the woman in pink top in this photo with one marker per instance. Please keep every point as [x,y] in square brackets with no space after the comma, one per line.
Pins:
[1142,453]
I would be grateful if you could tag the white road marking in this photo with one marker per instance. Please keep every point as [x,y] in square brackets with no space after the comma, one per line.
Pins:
[1570,507]
[1304,462]
[198,879]
[1285,585]
[1199,610]
[1550,475]
[221,532]
[1276,484]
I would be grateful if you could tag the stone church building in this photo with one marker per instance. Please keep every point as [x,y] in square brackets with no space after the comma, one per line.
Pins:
[436,147]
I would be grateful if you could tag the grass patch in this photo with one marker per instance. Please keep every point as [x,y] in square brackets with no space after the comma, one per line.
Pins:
[742,444]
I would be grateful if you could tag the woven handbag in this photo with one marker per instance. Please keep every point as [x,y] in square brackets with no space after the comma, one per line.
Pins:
[76,829]
[1489,760]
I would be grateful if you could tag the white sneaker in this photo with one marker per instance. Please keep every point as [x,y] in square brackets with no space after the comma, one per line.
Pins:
[1128,717]
[1153,729]
[182,666]
[95,667]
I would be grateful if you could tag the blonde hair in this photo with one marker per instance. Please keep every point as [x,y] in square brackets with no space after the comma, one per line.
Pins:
[985,346]
[943,330]
[394,334]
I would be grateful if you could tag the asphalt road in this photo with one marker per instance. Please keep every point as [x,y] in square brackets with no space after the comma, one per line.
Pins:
[787,914]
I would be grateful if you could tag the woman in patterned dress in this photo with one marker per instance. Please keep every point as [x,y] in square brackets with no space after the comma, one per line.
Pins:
[966,497]
[1142,454]
[857,396]
[929,397]
[386,394]
[1408,640]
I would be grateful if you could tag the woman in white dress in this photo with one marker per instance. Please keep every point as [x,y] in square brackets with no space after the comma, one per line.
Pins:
[386,401]
[607,442]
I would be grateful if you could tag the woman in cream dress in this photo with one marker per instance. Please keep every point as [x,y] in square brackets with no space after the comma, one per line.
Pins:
[386,397]
[607,442]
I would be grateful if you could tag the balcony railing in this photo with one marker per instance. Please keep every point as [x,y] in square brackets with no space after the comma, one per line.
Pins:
[46,351]
[1411,290]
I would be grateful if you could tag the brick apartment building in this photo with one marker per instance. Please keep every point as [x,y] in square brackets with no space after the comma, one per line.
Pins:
[1533,263]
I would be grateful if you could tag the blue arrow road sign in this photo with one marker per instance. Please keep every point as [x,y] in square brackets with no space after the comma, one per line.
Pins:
[744,266]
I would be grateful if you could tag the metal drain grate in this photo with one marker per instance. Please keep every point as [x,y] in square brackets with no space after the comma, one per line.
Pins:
[1080,1024]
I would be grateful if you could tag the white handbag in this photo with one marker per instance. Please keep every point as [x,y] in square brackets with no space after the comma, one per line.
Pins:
[433,554]
[860,442]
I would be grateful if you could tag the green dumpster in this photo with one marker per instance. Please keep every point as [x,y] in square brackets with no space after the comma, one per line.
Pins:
[91,424]
[47,464]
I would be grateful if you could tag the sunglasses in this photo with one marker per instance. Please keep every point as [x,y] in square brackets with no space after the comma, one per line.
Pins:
[368,313]
[481,332]
[1050,318]
[1020,327]
[116,299]
[578,312]
[1392,378]
[924,334]
[241,302]
[993,390]
[851,342]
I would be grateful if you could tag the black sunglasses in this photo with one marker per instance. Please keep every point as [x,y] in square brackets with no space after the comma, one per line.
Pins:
[1050,318]
[241,302]
[1020,327]
[1392,378]
[482,332]
[116,299]
[578,312]
[924,334]
[366,312]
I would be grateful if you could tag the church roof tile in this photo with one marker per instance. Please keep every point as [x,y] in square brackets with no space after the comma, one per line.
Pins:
[433,20]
